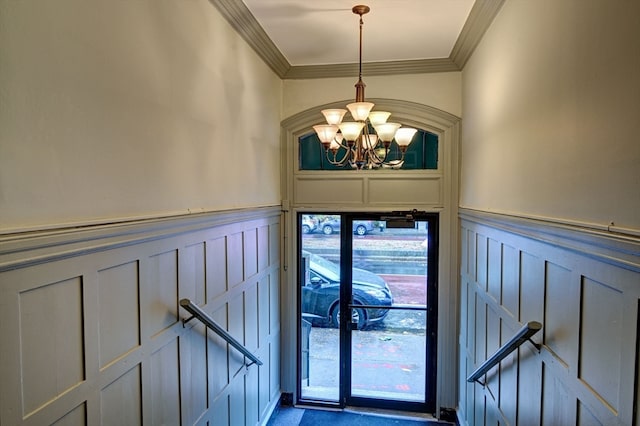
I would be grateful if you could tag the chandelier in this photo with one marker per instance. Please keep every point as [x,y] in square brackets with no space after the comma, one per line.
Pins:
[365,142]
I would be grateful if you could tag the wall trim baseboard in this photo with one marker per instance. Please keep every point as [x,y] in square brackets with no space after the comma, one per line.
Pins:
[614,247]
[18,250]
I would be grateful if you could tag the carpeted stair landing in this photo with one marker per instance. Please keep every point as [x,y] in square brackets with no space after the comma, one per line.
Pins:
[311,417]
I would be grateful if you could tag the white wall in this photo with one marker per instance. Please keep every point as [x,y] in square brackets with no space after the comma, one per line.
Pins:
[118,109]
[437,90]
[551,99]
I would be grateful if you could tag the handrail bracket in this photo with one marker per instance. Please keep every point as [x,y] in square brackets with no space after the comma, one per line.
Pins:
[538,346]
[186,320]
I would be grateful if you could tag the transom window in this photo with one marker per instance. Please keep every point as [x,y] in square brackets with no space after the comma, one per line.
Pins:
[421,154]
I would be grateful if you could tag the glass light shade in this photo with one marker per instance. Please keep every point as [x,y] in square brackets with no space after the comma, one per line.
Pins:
[369,141]
[351,130]
[404,135]
[378,117]
[334,116]
[334,145]
[360,110]
[326,132]
[386,131]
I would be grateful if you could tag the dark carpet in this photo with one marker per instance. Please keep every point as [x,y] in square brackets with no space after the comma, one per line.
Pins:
[345,418]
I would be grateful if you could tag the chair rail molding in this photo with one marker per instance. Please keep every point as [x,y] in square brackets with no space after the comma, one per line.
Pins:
[30,248]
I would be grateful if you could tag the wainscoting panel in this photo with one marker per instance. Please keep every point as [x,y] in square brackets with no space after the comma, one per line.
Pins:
[392,190]
[193,356]
[51,373]
[160,304]
[76,417]
[118,309]
[165,384]
[329,190]
[92,331]
[384,189]
[121,400]
[584,287]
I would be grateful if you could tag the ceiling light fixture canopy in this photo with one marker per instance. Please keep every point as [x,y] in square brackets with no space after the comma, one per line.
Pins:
[366,141]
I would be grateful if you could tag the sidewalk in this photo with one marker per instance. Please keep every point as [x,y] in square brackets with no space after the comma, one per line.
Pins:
[386,364]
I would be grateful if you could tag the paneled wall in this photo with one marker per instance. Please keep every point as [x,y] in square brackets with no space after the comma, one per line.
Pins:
[92,333]
[584,287]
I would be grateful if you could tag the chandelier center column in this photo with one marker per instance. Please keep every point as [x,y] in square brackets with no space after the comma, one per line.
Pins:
[360,10]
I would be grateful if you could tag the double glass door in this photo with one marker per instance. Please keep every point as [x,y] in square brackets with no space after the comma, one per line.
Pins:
[381,271]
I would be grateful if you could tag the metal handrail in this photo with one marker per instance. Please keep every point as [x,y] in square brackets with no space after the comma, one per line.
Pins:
[198,313]
[523,335]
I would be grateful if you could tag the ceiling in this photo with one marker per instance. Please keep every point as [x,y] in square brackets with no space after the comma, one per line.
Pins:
[326,32]
[316,39]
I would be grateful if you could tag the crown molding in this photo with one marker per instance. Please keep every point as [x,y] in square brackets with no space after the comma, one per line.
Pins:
[240,18]
[372,68]
[480,18]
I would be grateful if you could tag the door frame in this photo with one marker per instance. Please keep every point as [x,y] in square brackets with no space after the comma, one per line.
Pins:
[357,193]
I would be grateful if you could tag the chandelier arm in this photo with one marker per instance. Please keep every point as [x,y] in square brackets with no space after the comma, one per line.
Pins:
[373,155]
[370,152]
[358,154]
[335,161]
[376,158]
[343,144]
[362,148]
[397,160]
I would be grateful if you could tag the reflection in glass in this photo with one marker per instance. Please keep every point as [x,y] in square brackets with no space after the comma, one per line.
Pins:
[320,296]
[388,357]
[389,347]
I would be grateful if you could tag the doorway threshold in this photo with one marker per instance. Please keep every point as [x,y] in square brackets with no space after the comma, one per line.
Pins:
[294,415]
[398,414]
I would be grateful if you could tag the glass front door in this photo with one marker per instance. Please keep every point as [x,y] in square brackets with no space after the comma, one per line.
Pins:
[382,271]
